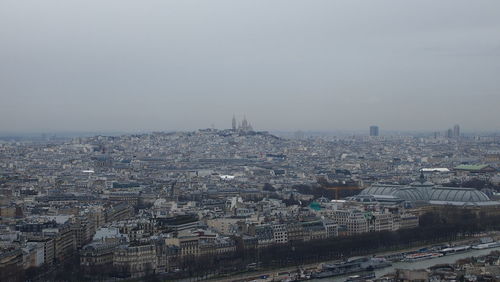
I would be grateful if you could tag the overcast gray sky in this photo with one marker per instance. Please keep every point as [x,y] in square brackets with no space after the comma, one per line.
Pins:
[128,65]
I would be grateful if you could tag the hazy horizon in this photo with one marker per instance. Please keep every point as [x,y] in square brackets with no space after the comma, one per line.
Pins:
[281,133]
[139,66]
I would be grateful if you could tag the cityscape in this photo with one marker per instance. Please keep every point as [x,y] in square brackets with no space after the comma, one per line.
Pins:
[249,141]
[213,203]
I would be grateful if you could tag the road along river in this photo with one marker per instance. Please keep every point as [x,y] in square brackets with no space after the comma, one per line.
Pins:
[448,259]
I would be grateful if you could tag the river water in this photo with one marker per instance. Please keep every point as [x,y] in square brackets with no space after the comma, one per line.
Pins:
[448,259]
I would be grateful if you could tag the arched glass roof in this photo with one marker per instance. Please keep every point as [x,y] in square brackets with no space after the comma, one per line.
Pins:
[450,194]
[427,193]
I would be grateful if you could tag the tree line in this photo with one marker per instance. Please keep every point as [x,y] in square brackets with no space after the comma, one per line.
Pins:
[435,227]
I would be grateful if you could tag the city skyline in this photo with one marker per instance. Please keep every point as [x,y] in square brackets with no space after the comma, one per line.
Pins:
[437,132]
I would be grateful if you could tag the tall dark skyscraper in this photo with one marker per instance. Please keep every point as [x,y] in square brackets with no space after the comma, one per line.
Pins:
[233,123]
[373,130]
[456,130]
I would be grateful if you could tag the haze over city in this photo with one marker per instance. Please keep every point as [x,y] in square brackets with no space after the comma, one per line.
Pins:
[287,65]
[237,141]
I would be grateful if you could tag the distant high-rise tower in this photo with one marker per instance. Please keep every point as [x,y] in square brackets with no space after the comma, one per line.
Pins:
[456,130]
[449,133]
[234,123]
[373,130]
